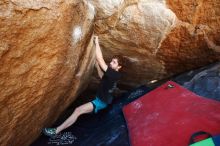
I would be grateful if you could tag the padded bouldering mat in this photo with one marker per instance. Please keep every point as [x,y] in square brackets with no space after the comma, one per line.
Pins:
[169,115]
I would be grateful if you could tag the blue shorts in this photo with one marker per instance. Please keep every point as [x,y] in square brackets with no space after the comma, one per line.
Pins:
[98,105]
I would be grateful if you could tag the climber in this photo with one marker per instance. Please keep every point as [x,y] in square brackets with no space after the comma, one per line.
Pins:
[109,75]
[211,44]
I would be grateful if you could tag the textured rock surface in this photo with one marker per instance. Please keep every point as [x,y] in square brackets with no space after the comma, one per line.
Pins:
[185,48]
[204,81]
[160,38]
[46,57]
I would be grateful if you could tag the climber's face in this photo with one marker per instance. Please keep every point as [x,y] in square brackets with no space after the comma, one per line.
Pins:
[114,64]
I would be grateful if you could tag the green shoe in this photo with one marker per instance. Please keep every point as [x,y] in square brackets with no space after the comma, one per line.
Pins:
[51,132]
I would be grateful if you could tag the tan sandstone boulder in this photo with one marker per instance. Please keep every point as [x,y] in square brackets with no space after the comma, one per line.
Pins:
[160,38]
[46,57]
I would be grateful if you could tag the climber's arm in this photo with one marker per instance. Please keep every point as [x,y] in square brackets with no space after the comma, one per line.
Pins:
[100,72]
[99,56]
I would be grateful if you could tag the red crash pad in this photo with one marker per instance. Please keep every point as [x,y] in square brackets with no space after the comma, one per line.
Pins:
[169,116]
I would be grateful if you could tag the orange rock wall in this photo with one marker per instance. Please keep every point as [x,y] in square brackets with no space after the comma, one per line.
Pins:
[46,57]
[160,38]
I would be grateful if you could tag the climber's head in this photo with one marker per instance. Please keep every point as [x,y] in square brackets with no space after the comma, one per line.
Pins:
[117,63]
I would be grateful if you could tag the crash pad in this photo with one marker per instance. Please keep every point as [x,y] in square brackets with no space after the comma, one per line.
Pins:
[169,115]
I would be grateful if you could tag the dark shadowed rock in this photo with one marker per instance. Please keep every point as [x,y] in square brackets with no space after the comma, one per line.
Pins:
[204,82]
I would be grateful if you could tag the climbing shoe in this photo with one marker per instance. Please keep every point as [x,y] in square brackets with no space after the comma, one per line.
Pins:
[51,132]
